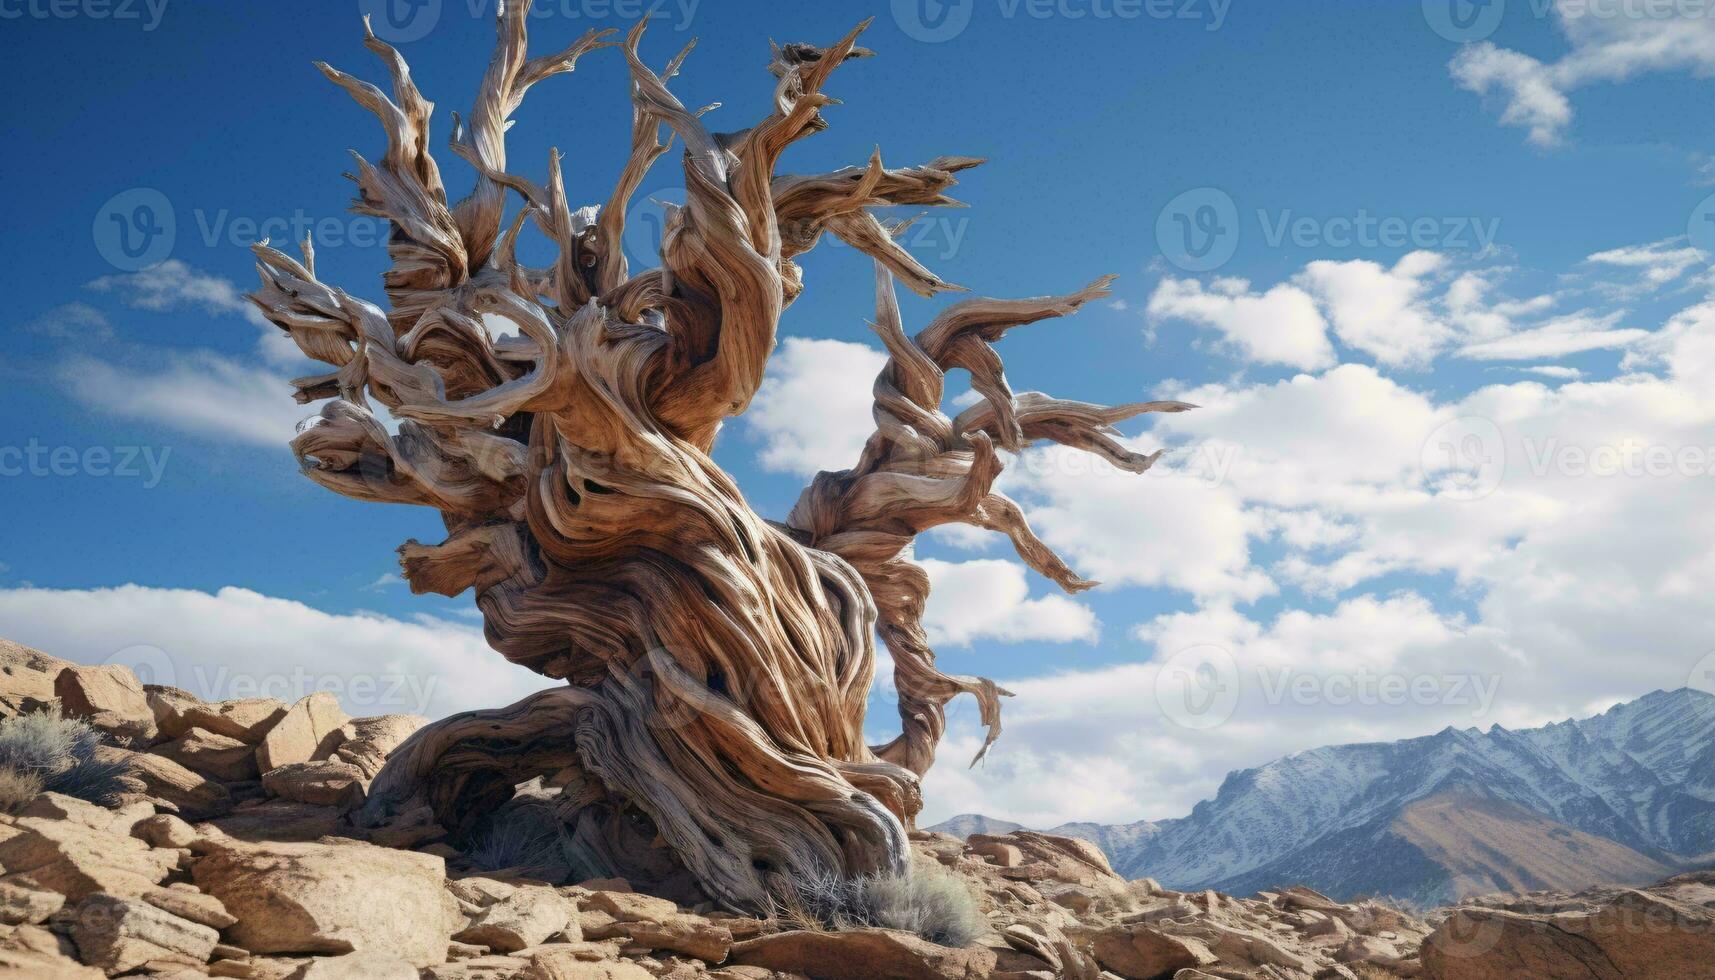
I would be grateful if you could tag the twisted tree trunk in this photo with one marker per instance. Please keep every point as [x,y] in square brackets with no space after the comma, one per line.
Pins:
[717,664]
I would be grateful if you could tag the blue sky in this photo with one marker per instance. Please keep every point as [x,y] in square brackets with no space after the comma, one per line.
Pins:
[1424,273]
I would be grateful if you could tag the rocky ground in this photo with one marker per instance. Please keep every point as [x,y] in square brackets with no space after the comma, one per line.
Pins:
[232,855]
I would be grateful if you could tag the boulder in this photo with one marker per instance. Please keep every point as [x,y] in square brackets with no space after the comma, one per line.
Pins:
[216,756]
[309,730]
[1140,952]
[528,916]
[366,742]
[121,934]
[23,905]
[567,967]
[1631,934]
[77,861]
[355,966]
[165,830]
[332,898]
[165,781]
[27,678]
[325,783]
[246,719]
[108,696]
[30,965]
[278,820]
[868,954]
[188,903]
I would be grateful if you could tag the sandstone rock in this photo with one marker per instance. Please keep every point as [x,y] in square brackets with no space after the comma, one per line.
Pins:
[165,830]
[1000,854]
[560,968]
[109,697]
[28,965]
[863,955]
[22,905]
[165,781]
[528,916]
[58,806]
[1140,952]
[67,857]
[481,968]
[216,756]
[366,742]
[277,820]
[309,730]
[121,934]
[258,967]
[247,719]
[325,783]
[332,898]
[1633,933]
[355,966]
[691,935]
[26,678]
[188,903]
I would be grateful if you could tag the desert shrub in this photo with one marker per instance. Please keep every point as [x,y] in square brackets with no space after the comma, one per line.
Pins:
[58,754]
[17,789]
[927,901]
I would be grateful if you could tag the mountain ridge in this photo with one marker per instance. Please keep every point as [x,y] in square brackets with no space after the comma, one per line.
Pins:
[1628,793]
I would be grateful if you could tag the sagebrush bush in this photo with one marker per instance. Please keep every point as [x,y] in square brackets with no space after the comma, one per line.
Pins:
[928,901]
[17,789]
[57,754]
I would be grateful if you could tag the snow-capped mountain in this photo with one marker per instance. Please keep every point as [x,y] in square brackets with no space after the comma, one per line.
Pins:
[1626,795]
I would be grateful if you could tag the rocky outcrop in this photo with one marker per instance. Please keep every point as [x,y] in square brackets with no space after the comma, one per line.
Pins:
[332,898]
[308,731]
[1666,931]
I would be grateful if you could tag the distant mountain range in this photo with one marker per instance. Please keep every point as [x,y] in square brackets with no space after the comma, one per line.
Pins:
[1627,796]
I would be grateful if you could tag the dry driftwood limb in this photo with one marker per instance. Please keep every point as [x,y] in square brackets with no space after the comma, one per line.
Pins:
[717,665]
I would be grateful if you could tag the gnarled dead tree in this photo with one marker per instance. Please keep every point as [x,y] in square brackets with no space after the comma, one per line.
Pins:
[717,664]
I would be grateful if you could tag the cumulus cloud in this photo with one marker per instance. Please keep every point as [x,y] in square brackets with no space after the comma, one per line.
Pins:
[812,412]
[1657,263]
[197,392]
[1608,42]
[989,599]
[1280,326]
[239,643]
[1381,311]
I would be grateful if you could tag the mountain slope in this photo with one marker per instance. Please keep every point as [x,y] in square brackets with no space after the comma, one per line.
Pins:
[1623,796]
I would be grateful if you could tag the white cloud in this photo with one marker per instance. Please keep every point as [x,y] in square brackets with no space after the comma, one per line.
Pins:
[1658,263]
[236,643]
[1558,337]
[1280,326]
[197,392]
[1609,42]
[812,412]
[990,599]
[173,286]
[1381,311]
